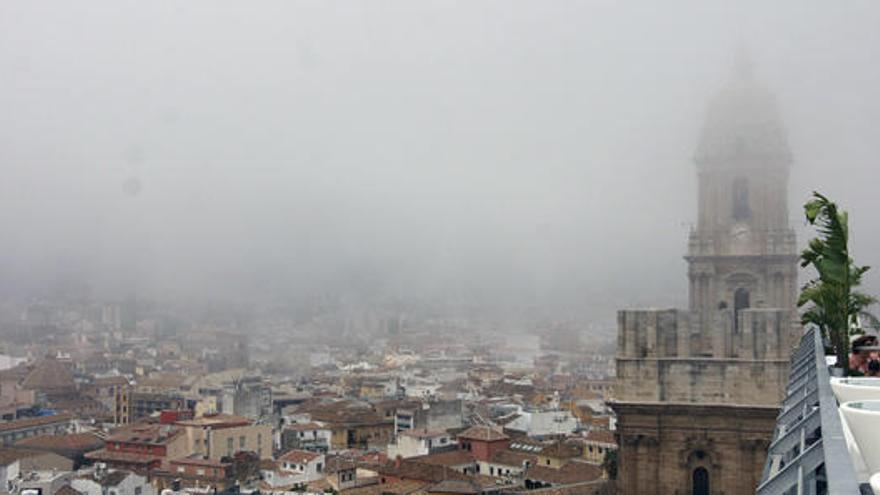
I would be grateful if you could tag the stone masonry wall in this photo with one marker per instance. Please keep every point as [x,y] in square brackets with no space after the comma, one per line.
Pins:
[663,356]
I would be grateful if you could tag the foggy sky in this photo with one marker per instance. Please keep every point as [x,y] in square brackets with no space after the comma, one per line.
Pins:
[528,153]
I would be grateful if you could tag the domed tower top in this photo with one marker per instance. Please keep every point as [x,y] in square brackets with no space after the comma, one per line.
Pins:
[742,127]
[743,252]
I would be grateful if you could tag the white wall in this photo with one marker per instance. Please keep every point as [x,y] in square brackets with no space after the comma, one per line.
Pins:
[9,473]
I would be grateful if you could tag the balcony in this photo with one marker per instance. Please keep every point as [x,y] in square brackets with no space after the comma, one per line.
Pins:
[808,453]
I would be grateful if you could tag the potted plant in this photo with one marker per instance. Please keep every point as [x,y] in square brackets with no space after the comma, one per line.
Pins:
[831,301]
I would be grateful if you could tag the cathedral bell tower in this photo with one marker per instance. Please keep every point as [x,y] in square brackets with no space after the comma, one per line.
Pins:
[742,253]
[698,390]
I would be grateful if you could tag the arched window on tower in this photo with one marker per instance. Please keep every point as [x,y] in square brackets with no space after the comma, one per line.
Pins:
[700,481]
[740,301]
[741,199]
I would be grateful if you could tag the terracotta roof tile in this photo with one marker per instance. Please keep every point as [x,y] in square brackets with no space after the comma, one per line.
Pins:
[9,454]
[459,487]
[154,434]
[298,456]
[49,374]
[509,457]
[582,488]
[573,472]
[31,422]
[601,436]
[405,487]
[67,490]
[450,458]
[73,442]
[424,433]
[412,470]
[125,457]
[482,432]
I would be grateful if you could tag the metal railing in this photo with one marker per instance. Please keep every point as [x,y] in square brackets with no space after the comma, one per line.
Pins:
[808,453]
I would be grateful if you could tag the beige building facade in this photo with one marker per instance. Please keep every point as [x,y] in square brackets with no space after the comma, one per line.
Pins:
[221,435]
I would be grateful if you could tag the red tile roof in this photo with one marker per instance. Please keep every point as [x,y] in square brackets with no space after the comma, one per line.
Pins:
[424,433]
[404,487]
[449,458]
[153,434]
[458,487]
[573,472]
[561,450]
[583,488]
[482,432]
[298,456]
[412,470]
[512,458]
[48,375]
[67,490]
[123,457]
[31,422]
[71,442]
[601,436]
[10,454]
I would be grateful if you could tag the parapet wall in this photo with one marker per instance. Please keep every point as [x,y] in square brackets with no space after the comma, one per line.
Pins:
[653,333]
[664,356]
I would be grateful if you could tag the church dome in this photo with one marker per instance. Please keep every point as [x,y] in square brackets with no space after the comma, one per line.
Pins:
[742,126]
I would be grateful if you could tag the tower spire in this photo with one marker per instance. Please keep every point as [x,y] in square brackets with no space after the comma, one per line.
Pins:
[743,66]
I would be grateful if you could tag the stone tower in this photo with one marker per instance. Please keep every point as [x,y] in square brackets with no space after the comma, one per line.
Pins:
[698,390]
[742,253]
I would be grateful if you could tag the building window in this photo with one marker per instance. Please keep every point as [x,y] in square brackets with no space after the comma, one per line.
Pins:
[241,441]
[700,481]
[229,445]
[740,302]
[741,199]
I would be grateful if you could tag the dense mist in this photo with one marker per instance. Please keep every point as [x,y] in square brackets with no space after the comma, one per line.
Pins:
[504,153]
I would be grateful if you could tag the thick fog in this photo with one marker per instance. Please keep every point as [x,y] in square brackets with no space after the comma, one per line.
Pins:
[504,152]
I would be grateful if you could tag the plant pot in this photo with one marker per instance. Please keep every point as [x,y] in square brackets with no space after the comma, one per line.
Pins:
[875,483]
[848,389]
[835,371]
[862,417]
